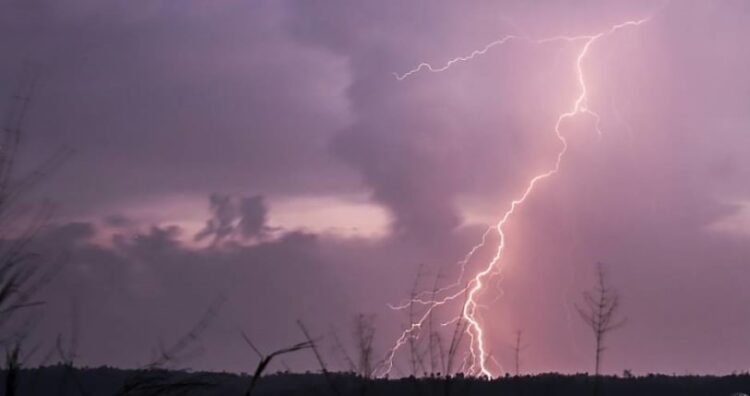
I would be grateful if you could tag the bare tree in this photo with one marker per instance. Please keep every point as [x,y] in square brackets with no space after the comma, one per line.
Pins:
[459,331]
[600,312]
[416,355]
[12,368]
[518,347]
[364,335]
[20,274]
[154,379]
[265,360]
[179,350]
[338,346]
[435,347]
[319,358]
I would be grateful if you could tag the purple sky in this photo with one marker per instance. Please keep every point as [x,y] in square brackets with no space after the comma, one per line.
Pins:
[263,150]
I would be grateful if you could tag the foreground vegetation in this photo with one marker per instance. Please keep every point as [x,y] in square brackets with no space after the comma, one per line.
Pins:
[59,380]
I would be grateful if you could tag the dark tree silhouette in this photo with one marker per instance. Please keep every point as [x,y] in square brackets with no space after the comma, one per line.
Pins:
[364,335]
[12,367]
[154,379]
[20,274]
[600,312]
[339,347]
[416,355]
[319,358]
[518,347]
[265,360]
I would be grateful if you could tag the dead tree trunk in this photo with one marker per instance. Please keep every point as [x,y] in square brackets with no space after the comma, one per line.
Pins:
[517,348]
[600,312]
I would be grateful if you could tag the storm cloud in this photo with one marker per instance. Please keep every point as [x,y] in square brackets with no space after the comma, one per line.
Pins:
[264,107]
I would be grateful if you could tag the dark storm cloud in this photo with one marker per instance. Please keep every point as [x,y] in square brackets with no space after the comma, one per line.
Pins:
[148,286]
[398,147]
[158,98]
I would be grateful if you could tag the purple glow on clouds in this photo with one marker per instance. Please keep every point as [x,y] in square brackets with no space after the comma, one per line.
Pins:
[361,179]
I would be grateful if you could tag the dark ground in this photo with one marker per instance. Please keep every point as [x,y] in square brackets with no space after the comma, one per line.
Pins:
[64,381]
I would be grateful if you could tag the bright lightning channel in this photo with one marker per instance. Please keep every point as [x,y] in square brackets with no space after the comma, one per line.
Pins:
[477,354]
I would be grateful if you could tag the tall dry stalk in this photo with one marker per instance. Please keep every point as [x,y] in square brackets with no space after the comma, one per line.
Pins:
[600,312]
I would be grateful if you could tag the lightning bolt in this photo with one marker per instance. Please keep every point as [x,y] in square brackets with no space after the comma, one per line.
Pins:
[477,353]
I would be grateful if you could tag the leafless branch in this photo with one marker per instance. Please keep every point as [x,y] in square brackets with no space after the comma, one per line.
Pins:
[600,312]
[319,358]
[266,360]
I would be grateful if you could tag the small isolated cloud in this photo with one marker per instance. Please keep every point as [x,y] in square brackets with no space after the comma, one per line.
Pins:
[235,217]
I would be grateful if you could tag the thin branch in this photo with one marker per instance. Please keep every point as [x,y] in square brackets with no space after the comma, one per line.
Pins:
[319,358]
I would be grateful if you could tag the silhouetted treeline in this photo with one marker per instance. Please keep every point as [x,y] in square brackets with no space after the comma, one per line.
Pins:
[110,381]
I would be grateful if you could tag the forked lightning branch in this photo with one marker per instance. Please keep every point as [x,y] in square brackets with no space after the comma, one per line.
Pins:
[468,289]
